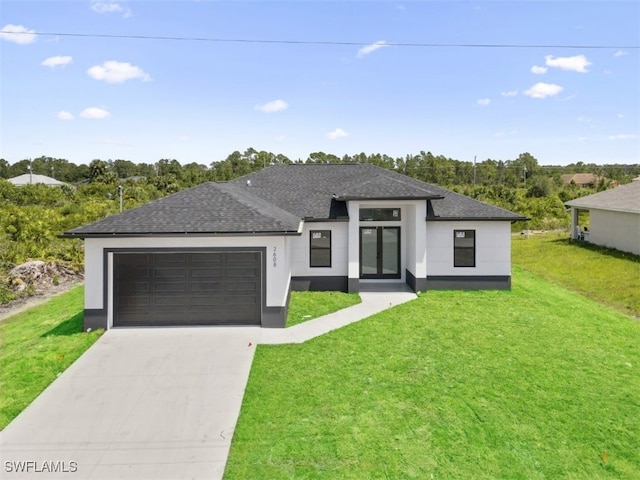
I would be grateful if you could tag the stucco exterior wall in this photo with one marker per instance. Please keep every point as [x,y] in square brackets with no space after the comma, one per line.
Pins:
[278,263]
[493,248]
[620,230]
[339,250]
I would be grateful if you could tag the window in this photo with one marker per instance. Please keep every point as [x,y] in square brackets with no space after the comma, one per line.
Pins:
[464,248]
[380,214]
[320,248]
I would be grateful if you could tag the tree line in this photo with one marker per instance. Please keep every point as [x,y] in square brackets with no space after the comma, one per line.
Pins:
[425,166]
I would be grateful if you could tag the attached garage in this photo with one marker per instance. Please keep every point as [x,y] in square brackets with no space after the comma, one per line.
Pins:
[179,288]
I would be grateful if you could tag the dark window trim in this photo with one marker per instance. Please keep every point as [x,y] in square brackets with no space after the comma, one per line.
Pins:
[384,214]
[456,249]
[312,248]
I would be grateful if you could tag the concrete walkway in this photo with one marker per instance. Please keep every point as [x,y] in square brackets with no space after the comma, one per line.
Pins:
[153,403]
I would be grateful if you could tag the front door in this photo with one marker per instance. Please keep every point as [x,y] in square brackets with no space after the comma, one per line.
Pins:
[380,252]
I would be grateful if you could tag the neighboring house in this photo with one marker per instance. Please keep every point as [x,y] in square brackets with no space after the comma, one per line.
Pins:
[584,180]
[33,178]
[230,253]
[614,218]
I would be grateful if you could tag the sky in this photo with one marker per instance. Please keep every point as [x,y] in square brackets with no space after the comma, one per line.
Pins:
[83,80]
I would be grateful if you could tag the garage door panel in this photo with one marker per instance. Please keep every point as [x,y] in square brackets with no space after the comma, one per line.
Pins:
[187,288]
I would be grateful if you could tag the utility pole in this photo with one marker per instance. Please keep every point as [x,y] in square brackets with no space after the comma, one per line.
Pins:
[524,175]
[474,171]
[120,193]
[30,173]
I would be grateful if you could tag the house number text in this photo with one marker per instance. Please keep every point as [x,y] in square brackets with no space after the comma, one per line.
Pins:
[275,256]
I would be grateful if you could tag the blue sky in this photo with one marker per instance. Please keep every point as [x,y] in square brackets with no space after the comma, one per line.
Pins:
[87,97]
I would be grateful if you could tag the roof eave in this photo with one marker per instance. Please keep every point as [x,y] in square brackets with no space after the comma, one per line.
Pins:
[406,197]
[256,233]
[477,219]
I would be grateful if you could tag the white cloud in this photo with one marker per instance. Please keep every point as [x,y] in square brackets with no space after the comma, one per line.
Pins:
[110,7]
[578,63]
[62,115]
[620,53]
[583,119]
[95,113]
[543,90]
[183,138]
[337,133]
[273,106]
[117,72]
[484,102]
[623,137]
[538,70]
[620,115]
[366,50]
[510,93]
[18,34]
[279,138]
[57,61]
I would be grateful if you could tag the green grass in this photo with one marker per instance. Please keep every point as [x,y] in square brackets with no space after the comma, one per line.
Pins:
[305,306]
[538,382]
[609,276]
[38,345]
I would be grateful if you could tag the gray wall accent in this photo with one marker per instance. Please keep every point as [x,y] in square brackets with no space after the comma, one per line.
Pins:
[327,284]
[353,285]
[274,317]
[483,282]
[416,284]
[95,318]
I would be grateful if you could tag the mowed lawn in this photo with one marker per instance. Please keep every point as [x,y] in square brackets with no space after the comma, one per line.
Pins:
[538,382]
[38,345]
[609,276]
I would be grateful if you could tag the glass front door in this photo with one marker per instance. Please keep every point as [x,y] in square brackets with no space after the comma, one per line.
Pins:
[379,252]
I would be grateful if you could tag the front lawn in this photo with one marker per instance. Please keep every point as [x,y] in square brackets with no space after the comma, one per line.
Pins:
[538,382]
[607,275]
[38,345]
[304,306]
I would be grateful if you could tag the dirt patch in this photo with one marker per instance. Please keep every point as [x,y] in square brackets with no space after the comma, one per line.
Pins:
[37,282]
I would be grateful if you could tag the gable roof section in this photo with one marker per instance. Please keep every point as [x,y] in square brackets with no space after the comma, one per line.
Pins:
[625,198]
[209,208]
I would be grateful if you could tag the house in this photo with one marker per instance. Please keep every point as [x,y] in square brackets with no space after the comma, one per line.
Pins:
[583,180]
[230,253]
[614,218]
[34,178]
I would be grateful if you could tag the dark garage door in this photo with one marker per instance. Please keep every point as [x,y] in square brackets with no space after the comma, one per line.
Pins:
[187,288]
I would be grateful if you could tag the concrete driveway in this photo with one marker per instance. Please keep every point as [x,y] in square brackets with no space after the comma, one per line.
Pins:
[141,403]
[154,403]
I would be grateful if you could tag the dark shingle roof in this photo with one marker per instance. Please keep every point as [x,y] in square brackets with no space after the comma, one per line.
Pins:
[207,208]
[307,190]
[275,199]
[455,206]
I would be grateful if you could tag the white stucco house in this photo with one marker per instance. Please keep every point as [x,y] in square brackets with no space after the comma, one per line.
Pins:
[614,218]
[230,252]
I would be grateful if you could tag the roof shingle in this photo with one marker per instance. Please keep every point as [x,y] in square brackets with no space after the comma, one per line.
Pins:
[275,199]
